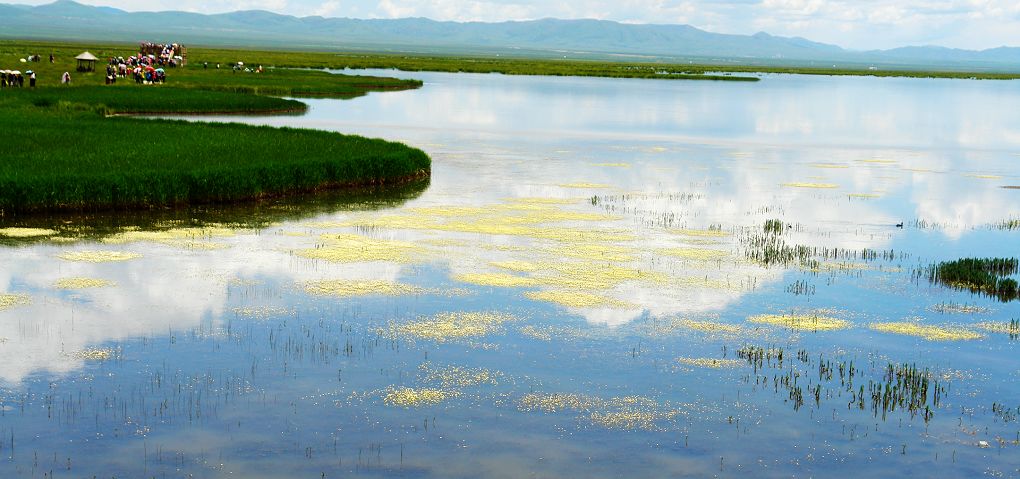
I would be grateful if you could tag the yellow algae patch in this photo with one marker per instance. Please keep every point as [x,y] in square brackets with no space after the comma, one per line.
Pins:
[82,283]
[930,333]
[98,256]
[804,322]
[411,397]
[555,402]
[595,276]
[811,185]
[444,242]
[1001,327]
[446,326]
[709,233]
[920,170]
[533,332]
[596,252]
[345,288]
[191,238]
[544,201]
[26,232]
[349,248]
[864,195]
[93,354]
[577,299]
[701,254]
[584,185]
[834,166]
[984,177]
[879,161]
[458,377]
[8,301]
[516,265]
[710,362]
[707,326]
[501,280]
[613,165]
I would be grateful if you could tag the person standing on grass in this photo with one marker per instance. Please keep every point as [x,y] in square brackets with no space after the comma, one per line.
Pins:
[51,58]
[65,79]
[31,80]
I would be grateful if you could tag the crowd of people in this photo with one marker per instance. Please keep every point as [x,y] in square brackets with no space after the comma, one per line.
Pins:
[16,79]
[148,66]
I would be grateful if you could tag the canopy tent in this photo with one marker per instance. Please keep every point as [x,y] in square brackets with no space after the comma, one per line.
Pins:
[86,62]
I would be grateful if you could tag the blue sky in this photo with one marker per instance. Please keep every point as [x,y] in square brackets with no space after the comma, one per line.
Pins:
[856,24]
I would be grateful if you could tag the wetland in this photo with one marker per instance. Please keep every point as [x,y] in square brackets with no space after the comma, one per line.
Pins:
[602,277]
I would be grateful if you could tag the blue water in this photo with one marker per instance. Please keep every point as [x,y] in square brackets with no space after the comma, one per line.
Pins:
[626,210]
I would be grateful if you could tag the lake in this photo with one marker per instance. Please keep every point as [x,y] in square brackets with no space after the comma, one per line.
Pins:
[604,277]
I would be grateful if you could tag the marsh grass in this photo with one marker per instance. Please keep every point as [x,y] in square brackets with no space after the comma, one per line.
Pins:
[988,276]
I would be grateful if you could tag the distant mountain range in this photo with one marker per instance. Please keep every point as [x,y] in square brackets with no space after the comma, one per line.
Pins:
[68,20]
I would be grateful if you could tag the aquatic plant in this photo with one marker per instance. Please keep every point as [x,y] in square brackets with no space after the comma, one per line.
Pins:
[928,332]
[989,276]
[82,283]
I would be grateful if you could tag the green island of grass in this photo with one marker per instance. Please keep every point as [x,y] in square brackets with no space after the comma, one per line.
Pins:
[76,148]
[989,276]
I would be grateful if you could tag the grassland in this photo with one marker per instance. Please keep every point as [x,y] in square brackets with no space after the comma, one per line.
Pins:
[63,150]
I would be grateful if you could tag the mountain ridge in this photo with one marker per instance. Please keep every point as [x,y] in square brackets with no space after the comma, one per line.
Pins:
[67,19]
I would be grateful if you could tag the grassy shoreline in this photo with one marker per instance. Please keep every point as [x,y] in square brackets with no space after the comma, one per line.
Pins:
[79,148]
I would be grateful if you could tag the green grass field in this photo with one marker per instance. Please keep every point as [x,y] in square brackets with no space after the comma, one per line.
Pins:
[63,150]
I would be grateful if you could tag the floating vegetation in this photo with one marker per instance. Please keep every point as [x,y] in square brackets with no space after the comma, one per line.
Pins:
[411,398]
[346,288]
[449,326]
[612,165]
[554,402]
[989,276]
[1011,328]
[712,363]
[835,166]
[864,195]
[535,333]
[457,377]
[700,254]
[878,161]
[499,280]
[707,326]
[823,186]
[82,283]
[710,233]
[577,299]
[262,312]
[517,265]
[349,248]
[584,185]
[1010,224]
[928,332]
[8,301]
[624,413]
[98,256]
[188,238]
[955,308]
[94,354]
[802,322]
[984,177]
[26,232]
[596,252]
[596,276]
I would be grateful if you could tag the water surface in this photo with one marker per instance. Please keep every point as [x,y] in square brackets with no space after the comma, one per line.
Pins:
[599,280]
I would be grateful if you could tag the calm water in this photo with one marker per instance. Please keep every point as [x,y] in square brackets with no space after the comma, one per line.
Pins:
[603,278]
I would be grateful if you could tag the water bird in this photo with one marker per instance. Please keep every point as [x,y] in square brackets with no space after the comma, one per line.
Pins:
[899,225]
